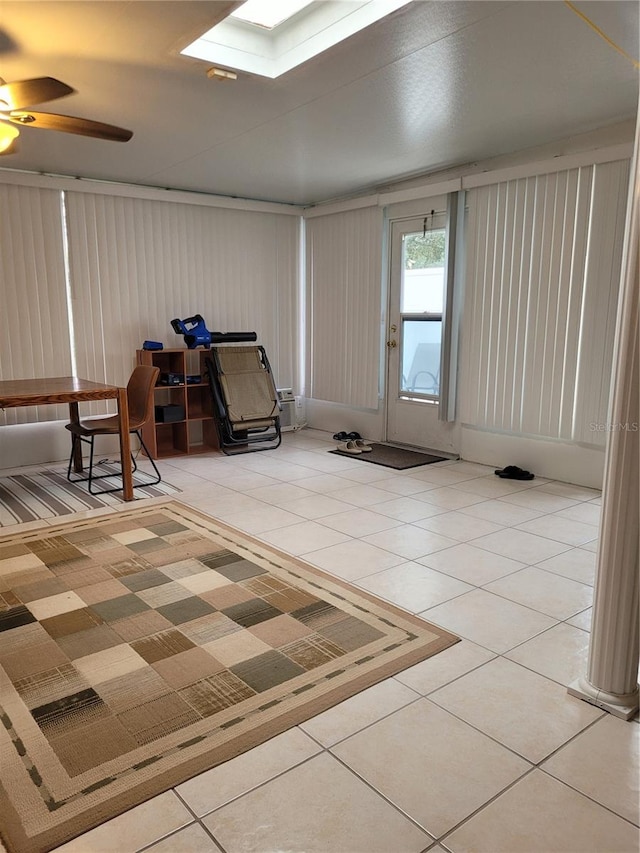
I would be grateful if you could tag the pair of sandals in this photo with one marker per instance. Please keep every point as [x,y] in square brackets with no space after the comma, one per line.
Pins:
[351,442]
[354,446]
[512,472]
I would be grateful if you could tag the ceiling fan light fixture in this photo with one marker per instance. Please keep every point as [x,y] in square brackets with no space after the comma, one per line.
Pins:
[22,118]
[8,134]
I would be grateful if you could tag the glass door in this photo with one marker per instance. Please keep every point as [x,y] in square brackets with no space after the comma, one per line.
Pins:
[418,285]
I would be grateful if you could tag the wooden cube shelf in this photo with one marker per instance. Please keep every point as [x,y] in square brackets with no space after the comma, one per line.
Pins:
[195,431]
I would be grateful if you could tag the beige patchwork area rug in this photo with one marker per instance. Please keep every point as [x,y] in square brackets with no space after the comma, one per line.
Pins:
[140,648]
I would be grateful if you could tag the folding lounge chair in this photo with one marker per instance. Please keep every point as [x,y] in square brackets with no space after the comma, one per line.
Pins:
[245,400]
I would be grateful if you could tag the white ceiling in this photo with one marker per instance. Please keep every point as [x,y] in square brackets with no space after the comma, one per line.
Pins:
[432,85]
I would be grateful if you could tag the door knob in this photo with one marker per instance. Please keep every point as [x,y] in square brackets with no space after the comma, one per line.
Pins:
[391,344]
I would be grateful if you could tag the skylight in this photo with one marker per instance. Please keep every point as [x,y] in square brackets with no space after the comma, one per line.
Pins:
[269,13]
[285,39]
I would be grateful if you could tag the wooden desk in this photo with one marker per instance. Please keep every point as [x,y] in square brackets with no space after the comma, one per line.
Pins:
[69,389]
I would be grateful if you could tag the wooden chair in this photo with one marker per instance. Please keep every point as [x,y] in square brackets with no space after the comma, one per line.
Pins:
[140,398]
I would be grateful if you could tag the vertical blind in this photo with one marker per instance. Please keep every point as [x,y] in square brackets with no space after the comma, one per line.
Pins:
[34,328]
[343,258]
[136,264]
[543,268]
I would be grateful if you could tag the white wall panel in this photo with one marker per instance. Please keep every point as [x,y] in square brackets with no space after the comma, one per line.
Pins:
[285,355]
[543,271]
[343,259]
[34,337]
[601,287]
[135,264]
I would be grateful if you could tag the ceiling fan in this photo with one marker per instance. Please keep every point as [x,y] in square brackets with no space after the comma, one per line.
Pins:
[17,98]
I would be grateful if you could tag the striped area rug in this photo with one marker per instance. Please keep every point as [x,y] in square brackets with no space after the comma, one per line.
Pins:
[48,494]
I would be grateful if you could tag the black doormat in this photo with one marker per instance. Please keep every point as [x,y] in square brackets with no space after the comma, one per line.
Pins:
[393,457]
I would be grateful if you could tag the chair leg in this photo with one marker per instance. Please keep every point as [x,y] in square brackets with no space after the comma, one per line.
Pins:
[74,439]
[91,478]
[150,458]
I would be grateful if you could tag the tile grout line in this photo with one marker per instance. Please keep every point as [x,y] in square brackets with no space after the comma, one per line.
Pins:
[384,797]
[481,808]
[538,766]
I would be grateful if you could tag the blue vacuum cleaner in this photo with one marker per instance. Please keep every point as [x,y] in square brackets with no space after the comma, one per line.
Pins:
[196,333]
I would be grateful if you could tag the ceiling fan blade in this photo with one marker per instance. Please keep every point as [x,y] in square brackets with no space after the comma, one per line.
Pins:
[23,93]
[71,124]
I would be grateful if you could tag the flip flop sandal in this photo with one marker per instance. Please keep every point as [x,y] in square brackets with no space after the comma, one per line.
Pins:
[364,446]
[508,471]
[355,436]
[340,436]
[517,475]
[349,447]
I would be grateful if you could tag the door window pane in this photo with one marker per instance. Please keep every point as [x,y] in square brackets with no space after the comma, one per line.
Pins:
[421,342]
[422,293]
[423,272]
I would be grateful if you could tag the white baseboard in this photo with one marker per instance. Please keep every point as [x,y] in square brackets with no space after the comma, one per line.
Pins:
[43,443]
[334,417]
[557,460]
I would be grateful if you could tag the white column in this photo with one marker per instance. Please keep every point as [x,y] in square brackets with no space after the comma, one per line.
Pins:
[611,681]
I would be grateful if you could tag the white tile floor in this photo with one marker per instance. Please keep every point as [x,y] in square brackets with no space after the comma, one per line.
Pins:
[477,749]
